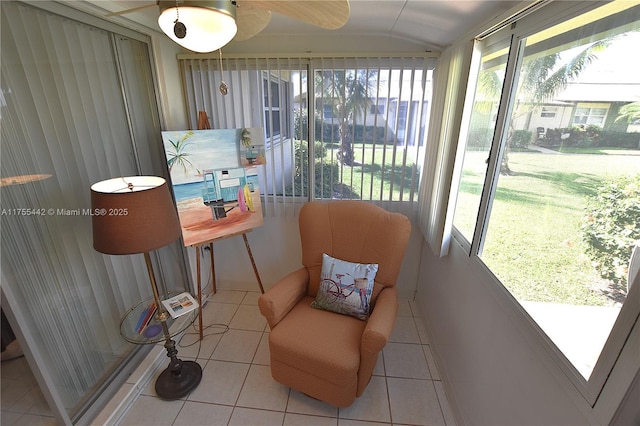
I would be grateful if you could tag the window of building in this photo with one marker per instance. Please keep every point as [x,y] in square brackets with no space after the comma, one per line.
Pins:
[377,109]
[548,112]
[556,222]
[589,116]
[327,112]
[325,144]
[276,92]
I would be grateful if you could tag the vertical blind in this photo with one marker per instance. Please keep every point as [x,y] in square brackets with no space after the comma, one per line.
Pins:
[68,93]
[367,117]
[435,210]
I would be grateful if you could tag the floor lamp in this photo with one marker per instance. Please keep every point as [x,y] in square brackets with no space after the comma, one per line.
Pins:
[133,215]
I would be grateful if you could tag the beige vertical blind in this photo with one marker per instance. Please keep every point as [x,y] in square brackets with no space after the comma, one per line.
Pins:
[76,109]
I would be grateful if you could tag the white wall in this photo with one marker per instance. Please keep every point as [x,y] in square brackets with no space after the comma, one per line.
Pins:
[494,369]
[172,103]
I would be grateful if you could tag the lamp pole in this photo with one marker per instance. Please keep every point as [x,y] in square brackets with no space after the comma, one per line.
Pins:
[180,377]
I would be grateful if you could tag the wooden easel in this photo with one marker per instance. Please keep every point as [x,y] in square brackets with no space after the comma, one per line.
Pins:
[203,124]
[213,269]
[203,121]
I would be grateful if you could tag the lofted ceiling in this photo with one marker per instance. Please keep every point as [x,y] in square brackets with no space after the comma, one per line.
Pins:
[427,24]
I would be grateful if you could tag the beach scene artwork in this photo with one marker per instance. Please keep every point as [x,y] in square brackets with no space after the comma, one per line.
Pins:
[214,176]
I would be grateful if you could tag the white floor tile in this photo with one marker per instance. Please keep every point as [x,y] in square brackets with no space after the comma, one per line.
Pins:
[414,402]
[248,317]
[405,360]
[197,414]
[228,296]
[221,383]
[218,313]
[250,416]
[251,298]
[404,310]
[261,391]
[414,309]
[291,419]
[431,362]
[13,391]
[405,331]
[300,403]
[422,331]
[39,405]
[263,356]
[190,346]
[348,422]
[373,405]
[10,418]
[237,346]
[378,369]
[152,411]
[444,404]
[18,369]
[32,420]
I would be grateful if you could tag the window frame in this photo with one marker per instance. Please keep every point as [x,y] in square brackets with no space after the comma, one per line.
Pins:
[589,115]
[590,390]
[271,110]
[548,111]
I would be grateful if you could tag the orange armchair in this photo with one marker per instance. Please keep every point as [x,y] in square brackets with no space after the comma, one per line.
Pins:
[326,355]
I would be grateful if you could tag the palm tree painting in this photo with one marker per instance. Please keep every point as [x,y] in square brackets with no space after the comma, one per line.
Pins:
[177,153]
[216,193]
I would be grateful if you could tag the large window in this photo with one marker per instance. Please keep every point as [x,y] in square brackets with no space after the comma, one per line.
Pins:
[335,128]
[554,211]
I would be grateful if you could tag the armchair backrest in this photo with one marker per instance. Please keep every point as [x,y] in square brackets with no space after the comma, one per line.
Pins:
[355,231]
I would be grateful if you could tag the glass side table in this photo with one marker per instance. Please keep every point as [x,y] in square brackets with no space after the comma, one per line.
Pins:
[180,377]
[152,333]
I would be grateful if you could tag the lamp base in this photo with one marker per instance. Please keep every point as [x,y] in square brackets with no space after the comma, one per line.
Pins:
[172,384]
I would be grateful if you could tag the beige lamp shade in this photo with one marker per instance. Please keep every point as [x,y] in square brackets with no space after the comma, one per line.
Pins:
[133,214]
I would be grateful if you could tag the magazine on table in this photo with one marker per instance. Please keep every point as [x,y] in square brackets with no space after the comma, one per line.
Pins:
[180,304]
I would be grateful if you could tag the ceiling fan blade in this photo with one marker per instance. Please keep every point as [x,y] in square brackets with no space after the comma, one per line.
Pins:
[250,21]
[329,15]
[133,9]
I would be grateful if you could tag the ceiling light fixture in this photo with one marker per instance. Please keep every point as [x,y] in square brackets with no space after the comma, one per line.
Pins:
[200,26]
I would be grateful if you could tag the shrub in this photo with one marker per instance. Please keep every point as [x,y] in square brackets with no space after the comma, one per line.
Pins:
[300,124]
[618,140]
[591,136]
[612,226]
[521,139]
[480,137]
[327,175]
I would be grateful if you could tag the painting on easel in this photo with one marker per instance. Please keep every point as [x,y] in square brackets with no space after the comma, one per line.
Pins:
[214,175]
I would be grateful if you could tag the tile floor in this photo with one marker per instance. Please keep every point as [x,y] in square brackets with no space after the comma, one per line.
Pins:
[237,388]
[22,401]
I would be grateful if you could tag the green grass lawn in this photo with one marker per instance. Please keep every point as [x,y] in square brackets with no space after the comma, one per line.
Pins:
[379,174]
[533,243]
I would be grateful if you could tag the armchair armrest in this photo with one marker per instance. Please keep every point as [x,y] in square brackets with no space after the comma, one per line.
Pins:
[381,322]
[276,302]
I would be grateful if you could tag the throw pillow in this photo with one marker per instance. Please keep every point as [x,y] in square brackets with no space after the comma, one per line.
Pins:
[345,287]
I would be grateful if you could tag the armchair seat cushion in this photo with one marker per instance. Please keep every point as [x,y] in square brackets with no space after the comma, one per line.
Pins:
[321,343]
